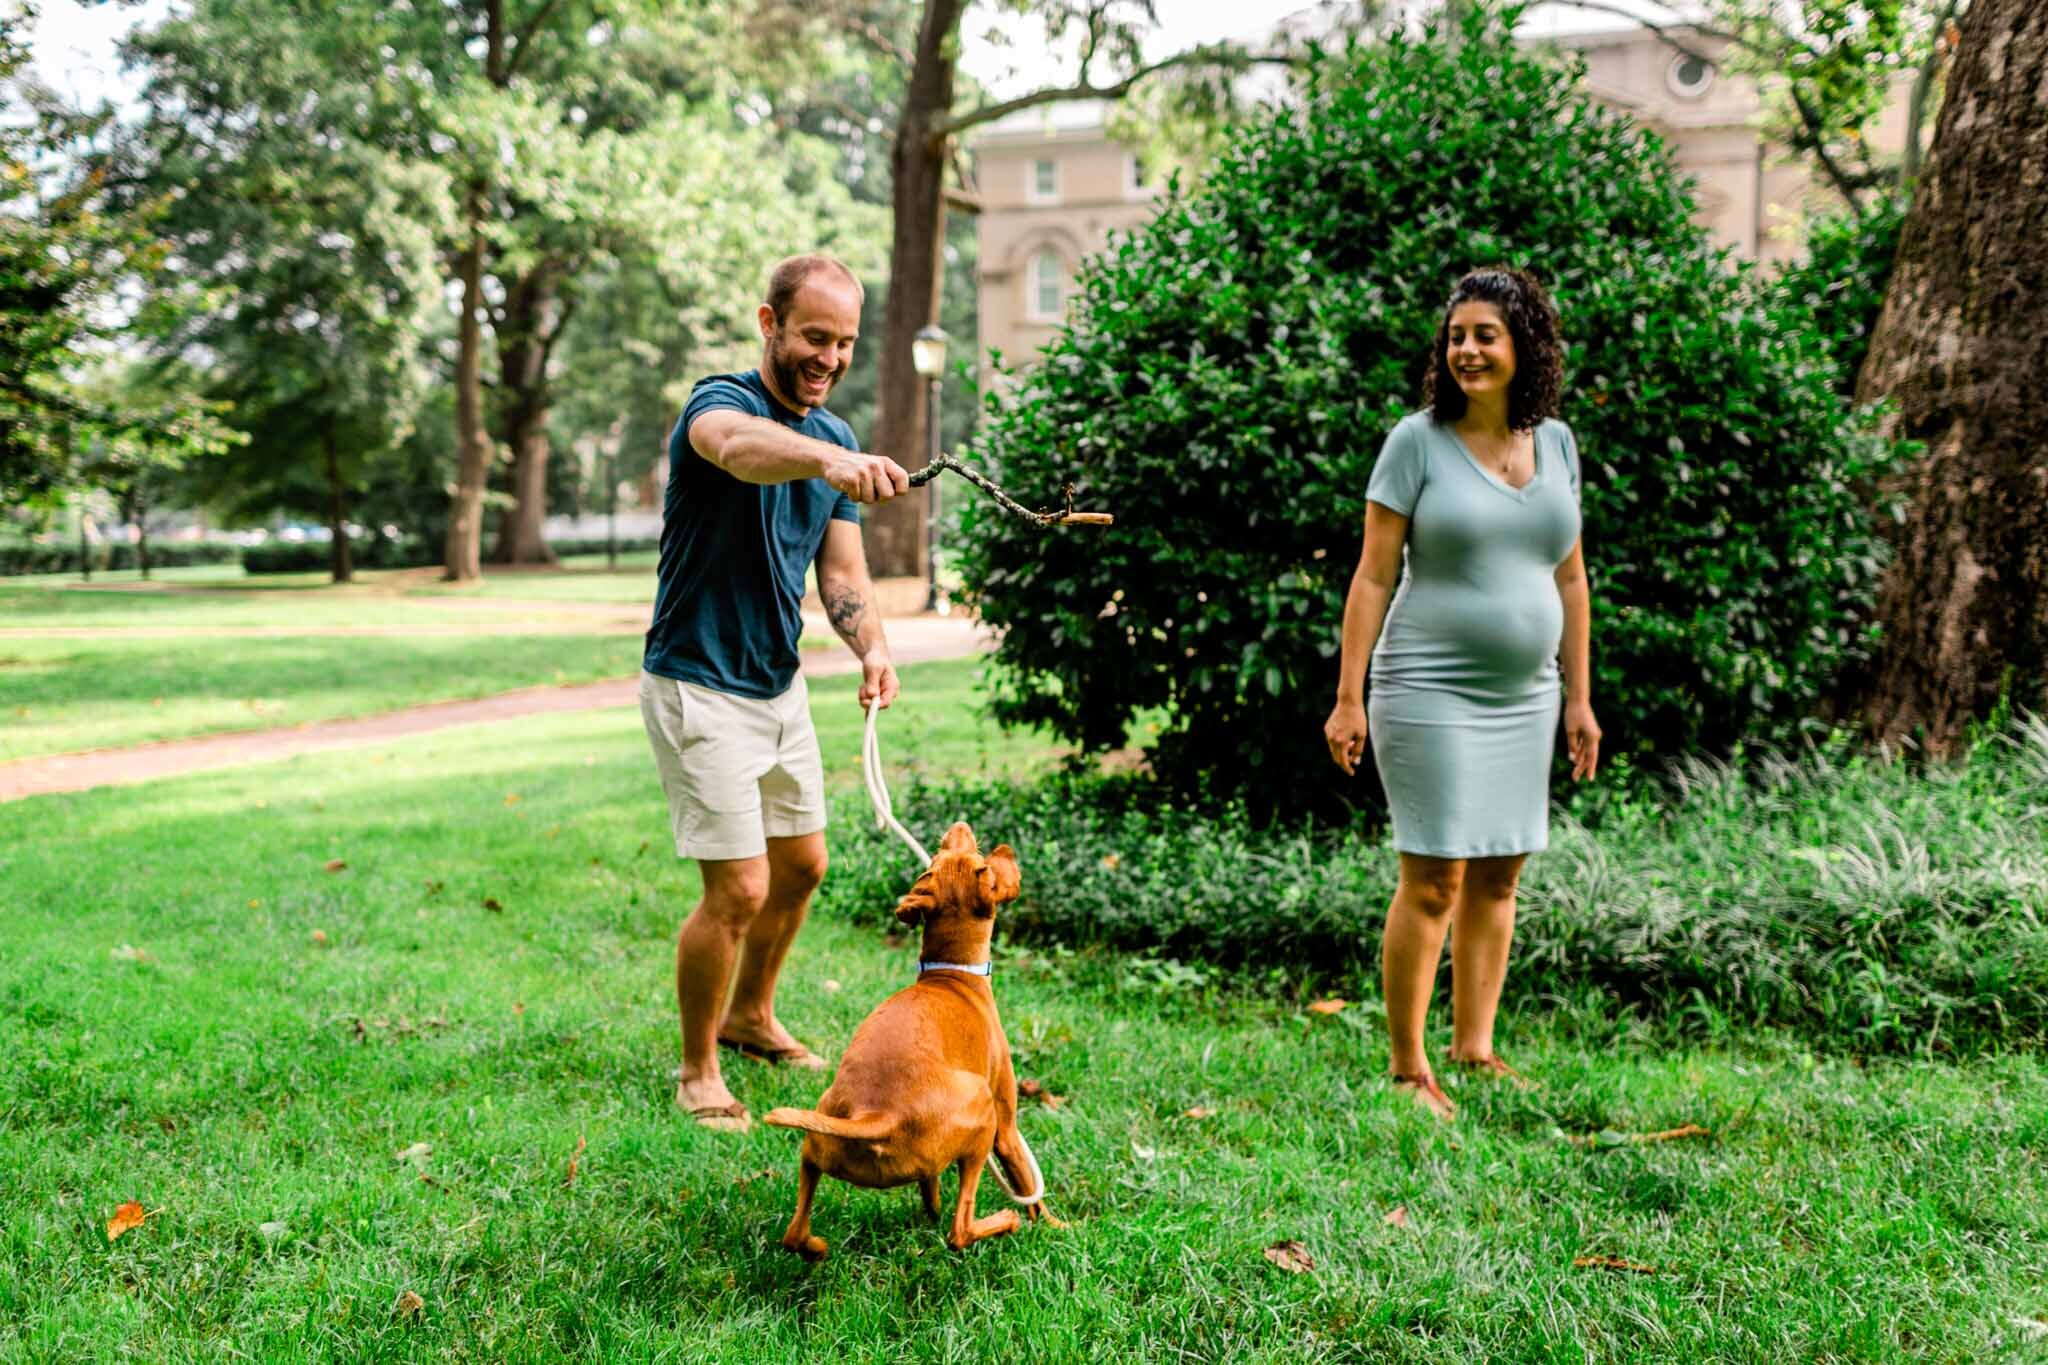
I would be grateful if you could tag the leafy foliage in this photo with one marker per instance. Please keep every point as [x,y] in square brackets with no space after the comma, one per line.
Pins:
[1233,366]
[1861,900]
[1841,282]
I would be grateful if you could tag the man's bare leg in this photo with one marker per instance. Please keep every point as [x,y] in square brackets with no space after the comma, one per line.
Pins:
[796,867]
[706,951]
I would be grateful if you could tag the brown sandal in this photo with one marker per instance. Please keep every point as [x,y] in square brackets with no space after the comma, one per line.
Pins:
[797,1056]
[723,1118]
[1428,1094]
[1492,1065]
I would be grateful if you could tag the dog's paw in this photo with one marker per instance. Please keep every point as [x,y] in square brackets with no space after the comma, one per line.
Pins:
[810,1248]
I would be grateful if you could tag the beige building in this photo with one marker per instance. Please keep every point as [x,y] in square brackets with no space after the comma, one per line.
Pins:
[1053,184]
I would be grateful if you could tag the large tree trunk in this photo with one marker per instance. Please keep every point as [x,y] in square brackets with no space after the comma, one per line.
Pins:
[1960,349]
[339,561]
[524,340]
[896,530]
[462,559]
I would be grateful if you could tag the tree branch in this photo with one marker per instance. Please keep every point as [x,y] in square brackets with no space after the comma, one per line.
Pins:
[1843,185]
[870,33]
[525,37]
[1923,88]
[1214,56]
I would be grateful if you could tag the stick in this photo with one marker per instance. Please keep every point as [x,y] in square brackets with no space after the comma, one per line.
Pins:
[1066,516]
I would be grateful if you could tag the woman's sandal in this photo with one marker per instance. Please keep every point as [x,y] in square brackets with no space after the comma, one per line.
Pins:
[1492,1065]
[1428,1094]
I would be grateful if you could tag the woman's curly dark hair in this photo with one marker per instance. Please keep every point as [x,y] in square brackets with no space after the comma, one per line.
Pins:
[1539,350]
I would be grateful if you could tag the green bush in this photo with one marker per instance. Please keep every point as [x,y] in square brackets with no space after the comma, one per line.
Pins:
[1232,367]
[27,556]
[1840,281]
[309,556]
[1867,903]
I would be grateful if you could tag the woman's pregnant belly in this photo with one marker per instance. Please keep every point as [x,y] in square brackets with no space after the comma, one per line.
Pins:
[1498,641]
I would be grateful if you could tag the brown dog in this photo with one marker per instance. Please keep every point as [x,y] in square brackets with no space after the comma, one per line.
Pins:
[926,1082]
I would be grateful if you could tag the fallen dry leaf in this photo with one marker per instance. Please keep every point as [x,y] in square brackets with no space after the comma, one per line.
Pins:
[1397,1217]
[255,905]
[1611,1263]
[1111,861]
[831,986]
[410,1305]
[1029,1089]
[1199,1113]
[1330,1006]
[273,1230]
[1291,1256]
[319,936]
[419,1151]
[491,903]
[570,1179]
[764,1174]
[336,865]
[361,1032]
[511,798]
[434,888]
[129,1215]
[519,1007]
[129,953]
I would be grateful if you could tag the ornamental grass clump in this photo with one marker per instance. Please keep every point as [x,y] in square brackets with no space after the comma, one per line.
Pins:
[1864,901]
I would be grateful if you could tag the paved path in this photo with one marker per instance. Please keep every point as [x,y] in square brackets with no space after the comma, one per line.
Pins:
[911,640]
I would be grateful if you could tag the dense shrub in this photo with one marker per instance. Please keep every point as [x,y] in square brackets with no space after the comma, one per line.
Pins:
[1864,901]
[1232,367]
[313,556]
[1840,281]
[406,552]
[27,556]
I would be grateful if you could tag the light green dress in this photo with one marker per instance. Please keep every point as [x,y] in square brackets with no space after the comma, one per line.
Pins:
[1464,701]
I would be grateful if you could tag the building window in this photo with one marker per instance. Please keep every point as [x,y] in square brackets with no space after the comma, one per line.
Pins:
[1689,76]
[1046,286]
[1045,181]
[1138,181]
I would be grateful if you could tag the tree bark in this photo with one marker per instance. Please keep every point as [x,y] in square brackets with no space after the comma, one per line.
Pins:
[340,560]
[462,558]
[525,337]
[1960,350]
[895,531]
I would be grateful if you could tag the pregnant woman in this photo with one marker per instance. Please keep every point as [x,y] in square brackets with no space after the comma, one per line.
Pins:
[1479,496]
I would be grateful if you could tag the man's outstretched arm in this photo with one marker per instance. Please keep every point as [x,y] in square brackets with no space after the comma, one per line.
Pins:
[757,450]
[849,596]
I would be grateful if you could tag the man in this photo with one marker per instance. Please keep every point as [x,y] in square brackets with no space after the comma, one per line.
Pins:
[762,483]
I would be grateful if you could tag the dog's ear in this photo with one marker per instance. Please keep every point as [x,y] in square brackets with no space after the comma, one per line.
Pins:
[918,900]
[1001,879]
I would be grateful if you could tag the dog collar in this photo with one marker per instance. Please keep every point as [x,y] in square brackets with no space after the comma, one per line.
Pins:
[971,968]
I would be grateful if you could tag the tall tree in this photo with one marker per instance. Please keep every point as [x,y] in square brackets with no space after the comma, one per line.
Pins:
[925,44]
[1960,352]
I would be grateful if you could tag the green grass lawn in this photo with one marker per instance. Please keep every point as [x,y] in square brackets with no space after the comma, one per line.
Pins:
[204,1020]
[57,696]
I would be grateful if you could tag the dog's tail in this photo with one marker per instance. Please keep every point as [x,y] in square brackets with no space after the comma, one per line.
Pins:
[811,1121]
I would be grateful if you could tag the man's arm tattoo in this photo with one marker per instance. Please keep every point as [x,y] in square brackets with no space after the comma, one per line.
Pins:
[848,612]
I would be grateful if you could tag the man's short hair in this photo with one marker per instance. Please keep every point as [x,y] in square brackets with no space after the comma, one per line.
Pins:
[789,275]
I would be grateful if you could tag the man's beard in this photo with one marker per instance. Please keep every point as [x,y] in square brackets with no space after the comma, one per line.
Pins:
[788,373]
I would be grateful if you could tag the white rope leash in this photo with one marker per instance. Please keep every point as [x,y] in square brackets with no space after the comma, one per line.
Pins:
[878,791]
[885,818]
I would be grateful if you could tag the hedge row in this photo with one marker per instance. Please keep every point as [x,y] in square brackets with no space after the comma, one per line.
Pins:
[407,552]
[27,557]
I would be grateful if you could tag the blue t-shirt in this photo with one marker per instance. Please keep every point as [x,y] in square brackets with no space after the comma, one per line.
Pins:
[733,554]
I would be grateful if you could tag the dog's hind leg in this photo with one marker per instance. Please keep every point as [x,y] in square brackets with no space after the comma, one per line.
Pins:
[1020,1169]
[967,1229]
[799,1238]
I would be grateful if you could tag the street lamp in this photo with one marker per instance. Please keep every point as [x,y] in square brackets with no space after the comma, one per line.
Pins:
[928,357]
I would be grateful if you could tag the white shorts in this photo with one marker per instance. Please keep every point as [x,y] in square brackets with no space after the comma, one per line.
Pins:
[738,772]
